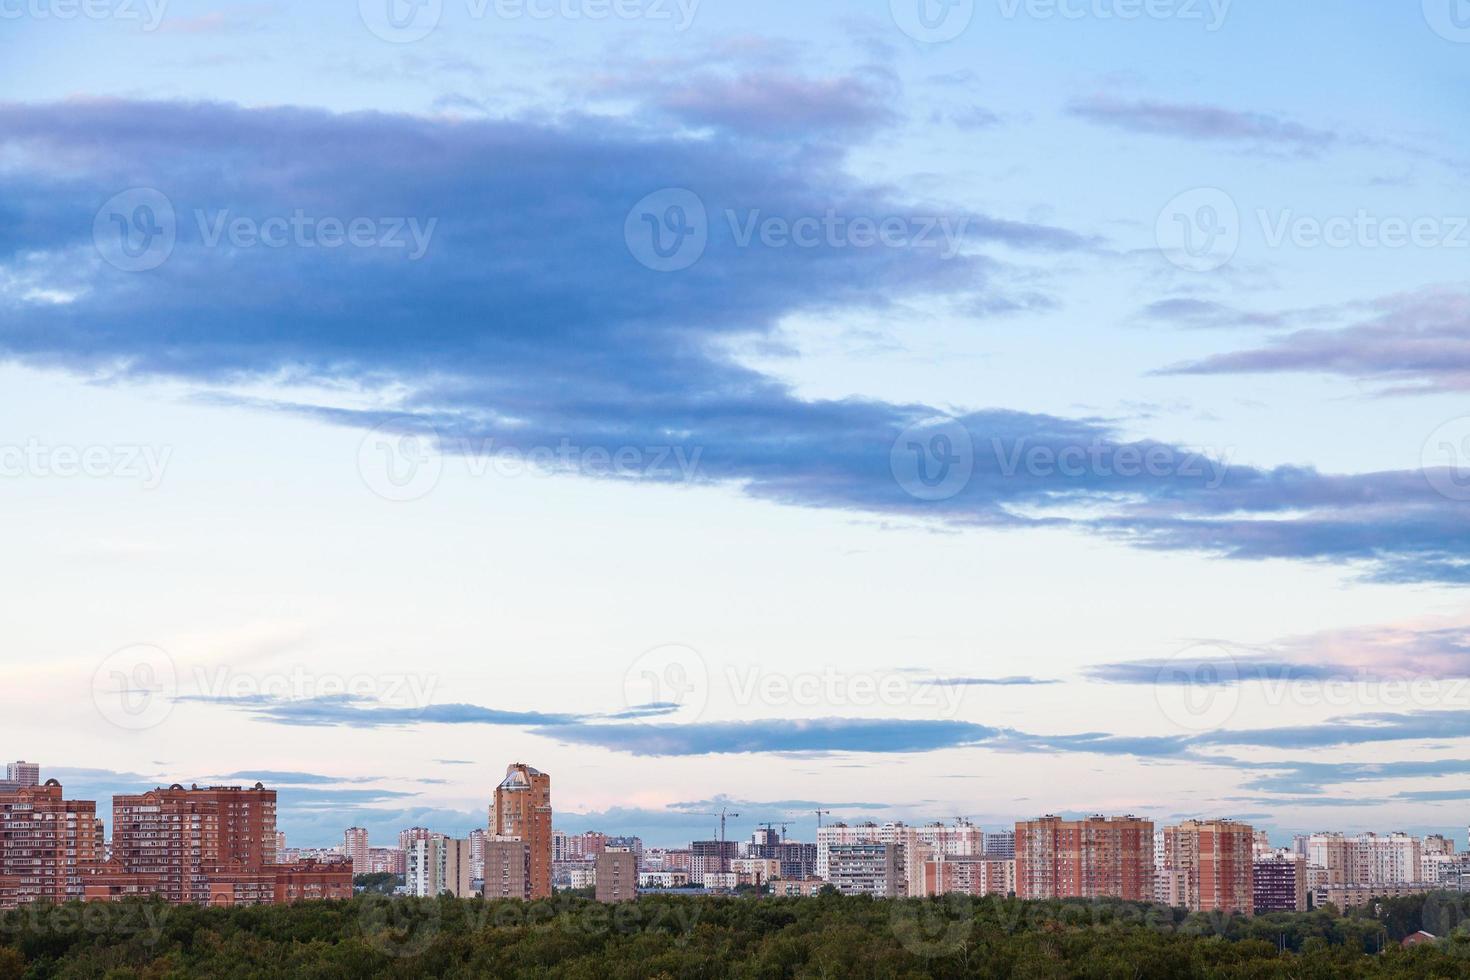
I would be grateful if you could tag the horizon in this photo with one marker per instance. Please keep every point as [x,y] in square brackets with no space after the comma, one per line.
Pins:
[904,409]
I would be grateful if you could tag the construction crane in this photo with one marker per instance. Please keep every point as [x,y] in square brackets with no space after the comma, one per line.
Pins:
[771,828]
[820,813]
[724,812]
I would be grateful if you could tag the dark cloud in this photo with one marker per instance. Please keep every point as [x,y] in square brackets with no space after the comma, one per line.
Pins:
[528,321]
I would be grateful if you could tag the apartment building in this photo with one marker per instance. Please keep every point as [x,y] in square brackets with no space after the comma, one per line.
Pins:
[521,808]
[1099,857]
[1209,866]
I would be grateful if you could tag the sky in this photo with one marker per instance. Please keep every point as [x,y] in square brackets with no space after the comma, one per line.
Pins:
[905,410]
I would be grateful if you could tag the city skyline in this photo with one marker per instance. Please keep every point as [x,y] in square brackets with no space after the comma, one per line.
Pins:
[1047,407]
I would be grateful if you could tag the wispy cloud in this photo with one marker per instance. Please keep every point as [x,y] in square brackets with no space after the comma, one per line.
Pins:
[1204,123]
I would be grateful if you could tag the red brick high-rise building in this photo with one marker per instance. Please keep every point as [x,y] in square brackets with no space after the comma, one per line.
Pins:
[1209,866]
[522,809]
[48,845]
[1093,858]
[182,836]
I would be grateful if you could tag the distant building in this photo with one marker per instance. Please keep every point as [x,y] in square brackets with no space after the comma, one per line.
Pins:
[707,857]
[1356,896]
[617,875]
[867,869]
[23,774]
[1209,866]
[1279,882]
[182,836]
[1001,845]
[1366,859]
[796,887]
[662,879]
[1094,858]
[522,808]
[507,868]
[477,851]
[438,865]
[48,844]
[355,845]
[969,875]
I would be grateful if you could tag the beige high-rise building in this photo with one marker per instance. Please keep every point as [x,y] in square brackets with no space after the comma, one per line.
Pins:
[1209,866]
[355,845]
[521,808]
[617,875]
[436,865]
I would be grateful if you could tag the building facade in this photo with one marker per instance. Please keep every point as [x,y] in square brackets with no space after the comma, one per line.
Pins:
[521,808]
[1209,866]
[617,875]
[48,845]
[1094,858]
[1280,882]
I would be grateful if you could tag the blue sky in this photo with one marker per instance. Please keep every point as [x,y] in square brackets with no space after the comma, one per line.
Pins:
[1059,407]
